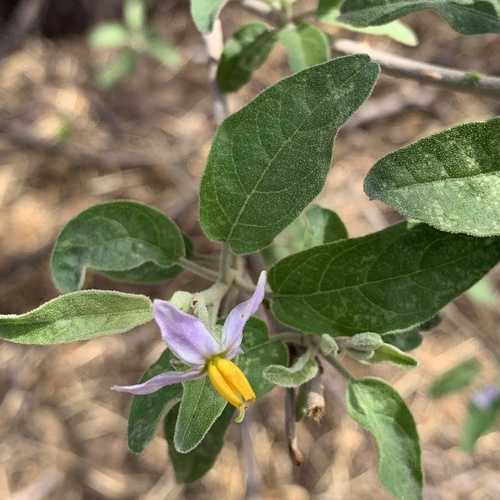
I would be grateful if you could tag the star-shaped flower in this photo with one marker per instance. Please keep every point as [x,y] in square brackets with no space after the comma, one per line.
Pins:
[205,352]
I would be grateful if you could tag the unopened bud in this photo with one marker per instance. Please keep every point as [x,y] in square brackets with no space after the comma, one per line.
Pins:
[328,345]
[364,342]
[182,300]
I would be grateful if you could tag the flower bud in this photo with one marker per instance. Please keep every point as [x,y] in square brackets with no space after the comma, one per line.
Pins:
[328,345]
[364,342]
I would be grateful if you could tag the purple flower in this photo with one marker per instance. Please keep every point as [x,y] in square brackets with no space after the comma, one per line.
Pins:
[486,396]
[203,351]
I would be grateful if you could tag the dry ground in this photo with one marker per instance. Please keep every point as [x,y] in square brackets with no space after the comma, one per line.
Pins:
[62,431]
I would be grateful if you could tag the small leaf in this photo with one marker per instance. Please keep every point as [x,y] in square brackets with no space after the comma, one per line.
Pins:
[161,51]
[119,236]
[322,226]
[243,53]
[205,12]
[259,351]
[270,159]
[450,180]
[134,14]
[388,281]
[303,370]
[77,316]
[108,35]
[456,379]
[191,466]
[469,17]
[305,46]
[120,67]
[480,419]
[387,353]
[377,407]
[329,12]
[147,410]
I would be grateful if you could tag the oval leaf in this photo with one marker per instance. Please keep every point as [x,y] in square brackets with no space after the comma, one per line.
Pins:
[450,180]
[147,410]
[456,379]
[105,35]
[387,281]
[387,353]
[243,53]
[305,46]
[322,226]
[189,467]
[205,12]
[77,316]
[118,236]
[270,159]
[470,17]
[303,370]
[377,407]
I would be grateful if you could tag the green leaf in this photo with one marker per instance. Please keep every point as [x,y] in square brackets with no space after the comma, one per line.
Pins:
[134,14]
[329,12]
[108,35]
[201,405]
[470,17]
[119,236]
[161,51]
[387,353]
[147,410]
[479,421]
[270,159]
[385,282]
[377,407]
[303,370]
[243,53]
[456,379]
[191,466]
[450,180]
[205,12]
[305,46]
[259,351]
[77,316]
[120,67]
[322,226]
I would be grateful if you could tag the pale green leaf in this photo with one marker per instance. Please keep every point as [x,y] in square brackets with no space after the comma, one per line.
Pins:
[77,316]
[387,353]
[120,67]
[469,17]
[305,46]
[205,12]
[122,237]
[457,378]
[377,407]
[161,51]
[134,14]
[303,370]
[385,282]
[108,35]
[450,180]
[270,159]
[322,226]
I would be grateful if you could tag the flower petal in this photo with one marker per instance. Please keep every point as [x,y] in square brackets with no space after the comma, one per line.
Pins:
[232,330]
[156,383]
[186,336]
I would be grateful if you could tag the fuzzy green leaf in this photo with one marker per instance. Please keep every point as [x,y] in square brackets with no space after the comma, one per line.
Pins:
[377,407]
[77,316]
[470,17]
[322,226]
[191,466]
[270,159]
[243,53]
[387,353]
[147,410]
[450,180]
[305,46]
[116,237]
[303,370]
[108,35]
[385,282]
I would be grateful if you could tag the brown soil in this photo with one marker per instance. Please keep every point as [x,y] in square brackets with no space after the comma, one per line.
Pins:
[62,431]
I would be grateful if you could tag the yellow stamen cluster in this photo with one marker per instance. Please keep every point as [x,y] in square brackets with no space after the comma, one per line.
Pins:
[231,383]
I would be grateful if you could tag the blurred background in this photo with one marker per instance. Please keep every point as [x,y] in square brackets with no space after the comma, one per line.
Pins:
[69,140]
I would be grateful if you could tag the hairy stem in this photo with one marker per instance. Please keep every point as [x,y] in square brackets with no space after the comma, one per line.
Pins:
[341,368]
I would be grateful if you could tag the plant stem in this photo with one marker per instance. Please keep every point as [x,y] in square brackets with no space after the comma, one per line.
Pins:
[226,258]
[439,76]
[341,368]
[189,265]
